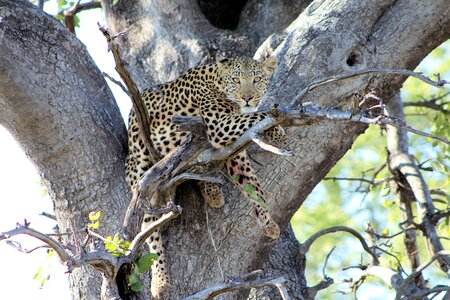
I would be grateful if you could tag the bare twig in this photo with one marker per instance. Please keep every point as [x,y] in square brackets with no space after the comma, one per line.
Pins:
[50,216]
[430,103]
[16,245]
[307,244]
[24,229]
[118,83]
[69,14]
[237,283]
[439,215]
[334,78]
[418,271]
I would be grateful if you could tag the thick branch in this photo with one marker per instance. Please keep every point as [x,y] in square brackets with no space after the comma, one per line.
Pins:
[404,166]
[140,238]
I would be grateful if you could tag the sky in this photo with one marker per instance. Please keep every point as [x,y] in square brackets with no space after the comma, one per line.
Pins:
[23,197]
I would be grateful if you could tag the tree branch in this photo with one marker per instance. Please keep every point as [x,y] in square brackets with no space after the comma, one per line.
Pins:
[403,166]
[139,107]
[241,282]
[69,15]
[430,103]
[307,244]
[24,229]
[139,240]
[297,100]
[418,271]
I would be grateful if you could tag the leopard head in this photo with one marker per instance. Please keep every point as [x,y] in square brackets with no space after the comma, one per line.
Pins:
[245,80]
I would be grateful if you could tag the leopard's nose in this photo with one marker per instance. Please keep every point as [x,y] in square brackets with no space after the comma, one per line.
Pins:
[247,98]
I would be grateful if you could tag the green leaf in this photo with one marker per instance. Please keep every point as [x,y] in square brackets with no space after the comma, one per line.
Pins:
[145,262]
[116,238]
[114,3]
[94,216]
[388,204]
[110,246]
[61,4]
[124,244]
[137,287]
[38,273]
[133,278]
[236,177]
[76,21]
[95,225]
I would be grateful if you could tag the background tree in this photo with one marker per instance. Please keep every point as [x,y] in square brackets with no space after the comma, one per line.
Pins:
[163,39]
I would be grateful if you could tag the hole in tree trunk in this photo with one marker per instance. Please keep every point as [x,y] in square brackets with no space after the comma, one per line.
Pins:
[223,14]
[353,59]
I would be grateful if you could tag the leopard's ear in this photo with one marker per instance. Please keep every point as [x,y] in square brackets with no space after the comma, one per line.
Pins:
[222,63]
[270,64]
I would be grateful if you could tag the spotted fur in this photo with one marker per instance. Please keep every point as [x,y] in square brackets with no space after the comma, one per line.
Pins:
[222,93]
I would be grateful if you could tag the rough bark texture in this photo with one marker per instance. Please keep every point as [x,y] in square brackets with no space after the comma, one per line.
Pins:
[54,101]
[57,105]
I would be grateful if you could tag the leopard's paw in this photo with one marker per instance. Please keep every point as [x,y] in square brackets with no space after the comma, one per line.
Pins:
[272,230]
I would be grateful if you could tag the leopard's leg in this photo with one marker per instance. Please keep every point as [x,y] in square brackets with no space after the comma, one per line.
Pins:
[242,174]
[276,136]
[136,164]
[160,284]
[226,129]
[212,193]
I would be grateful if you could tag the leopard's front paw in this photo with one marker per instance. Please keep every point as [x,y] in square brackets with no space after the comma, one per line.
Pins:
[272,230]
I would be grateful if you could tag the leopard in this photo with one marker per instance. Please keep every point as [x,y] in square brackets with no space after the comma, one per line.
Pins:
[225,94]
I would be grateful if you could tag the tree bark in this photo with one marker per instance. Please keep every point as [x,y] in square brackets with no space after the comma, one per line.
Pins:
[57,105]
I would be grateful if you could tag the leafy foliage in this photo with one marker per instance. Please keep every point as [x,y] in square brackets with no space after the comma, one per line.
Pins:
[354,203]
[140,267]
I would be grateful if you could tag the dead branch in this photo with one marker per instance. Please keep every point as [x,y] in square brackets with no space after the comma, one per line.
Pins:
[140,109]
[412,188]
[118,83]
[16,245]
[56,246]
[439,215]
[325,283]
[307,244]
[139,240]
[297,100]
[430,103]
[241,282]
[418,271]
[69,15]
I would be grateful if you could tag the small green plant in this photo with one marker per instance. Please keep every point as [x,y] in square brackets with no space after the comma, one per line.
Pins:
[140,267]
[94,217]
[43,272]
[118,247]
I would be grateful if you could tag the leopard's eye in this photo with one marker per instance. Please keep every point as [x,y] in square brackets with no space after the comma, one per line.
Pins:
[236,80]
[257,79]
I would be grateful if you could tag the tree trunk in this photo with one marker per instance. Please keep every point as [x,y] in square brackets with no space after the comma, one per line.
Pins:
[55,102]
